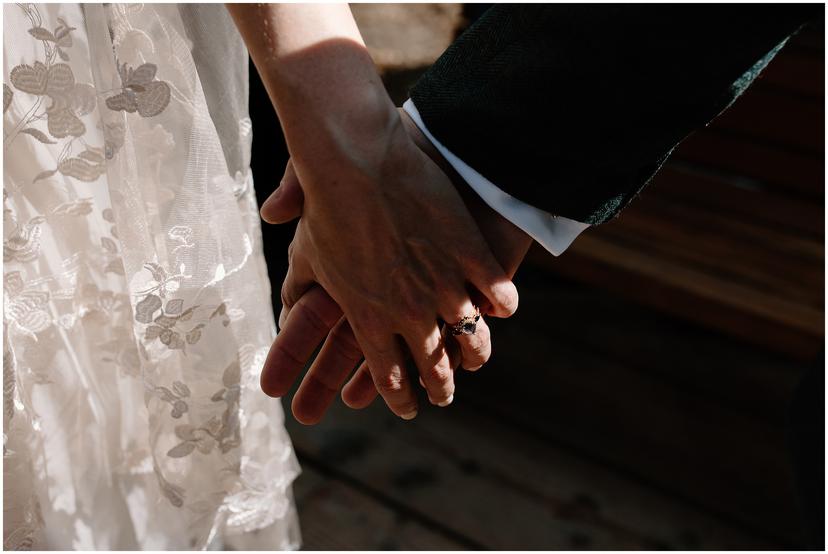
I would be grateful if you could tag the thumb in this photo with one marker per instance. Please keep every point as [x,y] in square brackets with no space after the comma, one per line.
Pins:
[285,203]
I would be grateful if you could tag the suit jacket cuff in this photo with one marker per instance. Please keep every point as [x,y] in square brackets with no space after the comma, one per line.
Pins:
[552,232]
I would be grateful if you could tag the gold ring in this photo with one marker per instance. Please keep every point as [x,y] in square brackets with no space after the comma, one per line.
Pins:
[467,325]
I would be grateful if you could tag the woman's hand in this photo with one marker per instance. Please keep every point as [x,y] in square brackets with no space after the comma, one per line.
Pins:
[383,231]
[307,320]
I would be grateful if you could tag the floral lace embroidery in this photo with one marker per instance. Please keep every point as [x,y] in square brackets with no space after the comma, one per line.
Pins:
[78,207]
[169,326]
[68,101]
[23,244]
[141,92]
[218,431]
[73,301]
[110,247]
[26,309]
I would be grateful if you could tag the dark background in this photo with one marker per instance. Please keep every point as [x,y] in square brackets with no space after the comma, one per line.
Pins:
[642,395]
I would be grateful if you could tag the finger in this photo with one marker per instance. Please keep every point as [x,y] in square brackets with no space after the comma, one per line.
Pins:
[285,203]
[433,365]
[497,294]
[298,280]
[475,348]
[339,356]
[452,348]
[360,391]
[308,324]
[387,365]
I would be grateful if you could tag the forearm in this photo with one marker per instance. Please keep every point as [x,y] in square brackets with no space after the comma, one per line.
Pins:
[319,76]
[587,148]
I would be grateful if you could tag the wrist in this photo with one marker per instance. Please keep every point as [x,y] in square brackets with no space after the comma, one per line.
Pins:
[357,140]
[334,110]
[427,147]
[317,72]
[330,75]
[349,151]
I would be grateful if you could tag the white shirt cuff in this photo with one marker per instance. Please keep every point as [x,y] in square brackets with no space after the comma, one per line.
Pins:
[552,232]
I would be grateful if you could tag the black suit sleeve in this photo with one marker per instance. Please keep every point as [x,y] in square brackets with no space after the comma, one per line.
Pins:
[573,108]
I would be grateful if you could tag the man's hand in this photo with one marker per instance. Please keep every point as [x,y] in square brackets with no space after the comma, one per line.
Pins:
[314,315]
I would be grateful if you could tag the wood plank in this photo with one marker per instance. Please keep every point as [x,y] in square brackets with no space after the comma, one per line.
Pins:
[786,172]
[759,317]
[336,516]
[699,284]
[773,335]
[751,256]
[701,362]
[602,430]
[503,487]
[696,445]
[699,190]
[774,242]
[799,74]
[810,40]
[779,119]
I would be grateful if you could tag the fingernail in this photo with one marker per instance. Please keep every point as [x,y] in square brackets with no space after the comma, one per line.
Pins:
[446,402]
[409,415]
[422,383]
[474,368]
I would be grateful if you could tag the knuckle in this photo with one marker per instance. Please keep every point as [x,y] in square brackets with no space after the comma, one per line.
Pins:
[439,375]
[483,338]
[313,319]
[287,295]
[510,299]
[477,356]
[505,296]
[473,363]
[287,355]
[388,383]
[318,383]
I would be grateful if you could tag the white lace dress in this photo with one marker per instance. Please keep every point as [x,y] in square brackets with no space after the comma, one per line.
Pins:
[136,299]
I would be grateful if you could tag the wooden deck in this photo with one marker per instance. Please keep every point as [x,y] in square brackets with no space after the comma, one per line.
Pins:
[629,431]
[638,398]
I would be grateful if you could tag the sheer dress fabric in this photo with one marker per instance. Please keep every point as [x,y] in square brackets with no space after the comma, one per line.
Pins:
[137,309]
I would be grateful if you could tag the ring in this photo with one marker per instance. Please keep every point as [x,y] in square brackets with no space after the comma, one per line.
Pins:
[467,325]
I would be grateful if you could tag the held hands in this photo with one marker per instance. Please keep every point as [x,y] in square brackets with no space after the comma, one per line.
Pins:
[382,232]
[382,252]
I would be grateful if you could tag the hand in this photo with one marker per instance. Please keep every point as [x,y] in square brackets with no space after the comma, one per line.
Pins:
[315,313]
[386,235]
[382,229]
